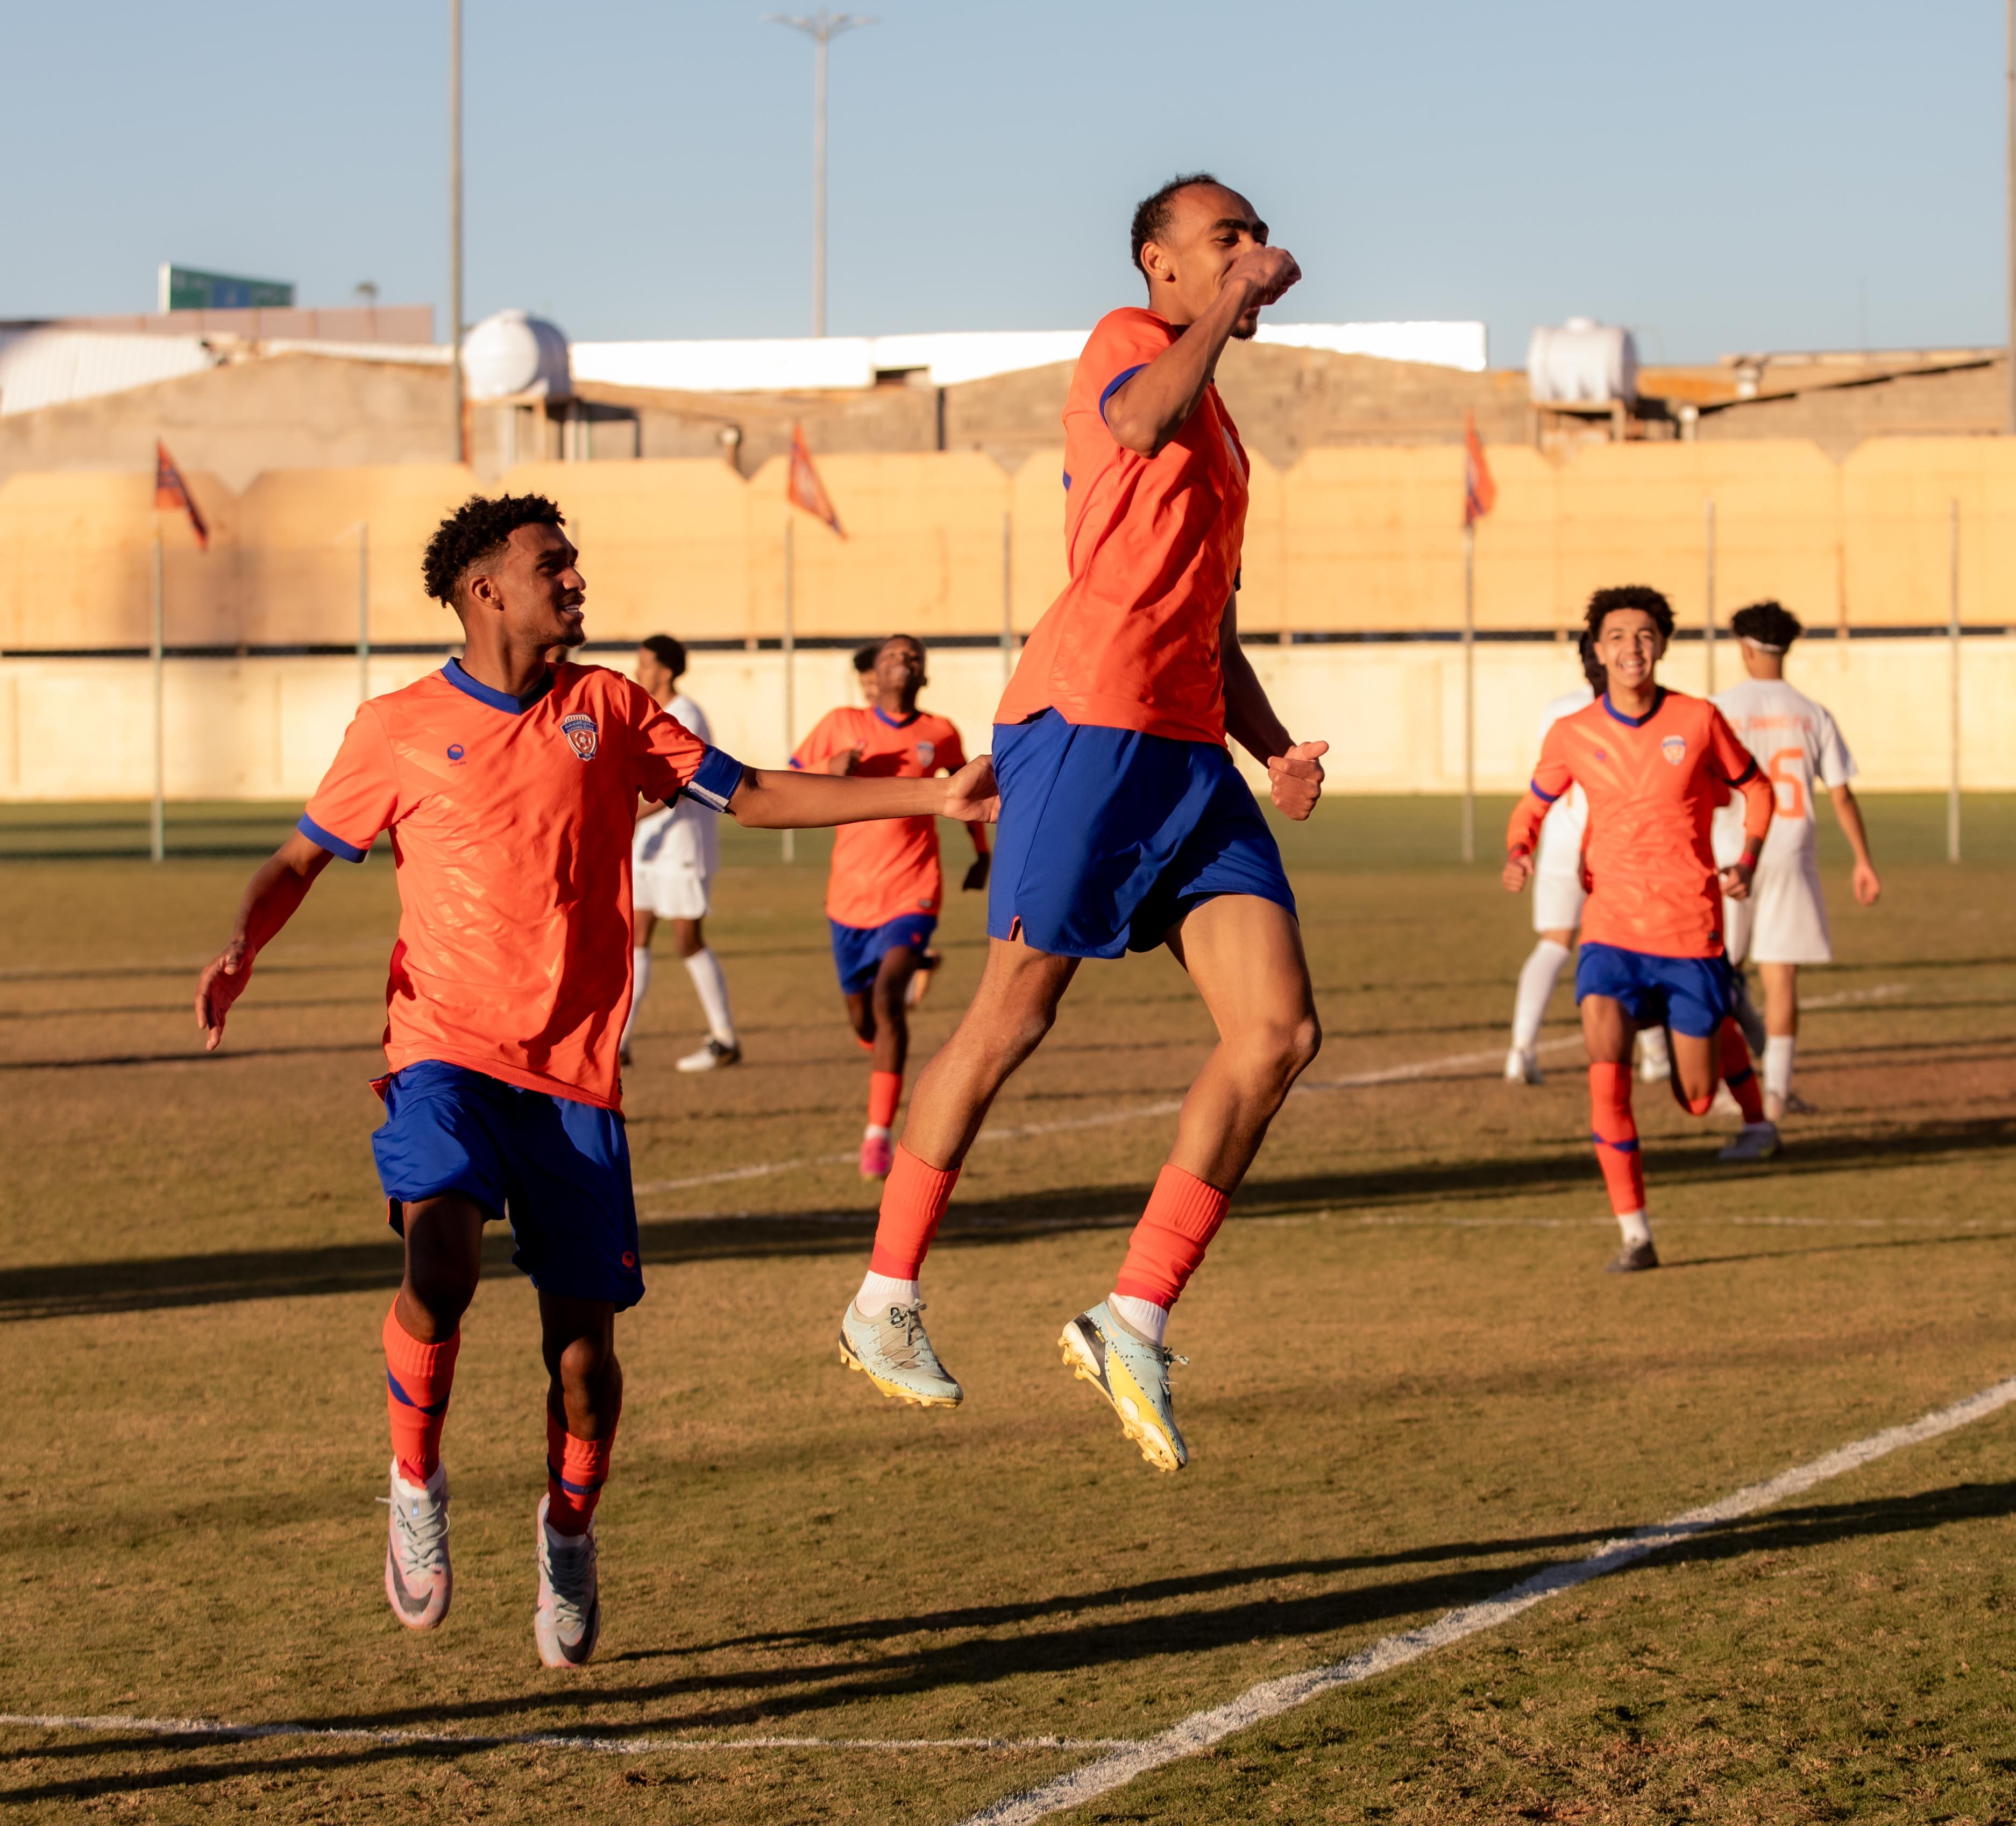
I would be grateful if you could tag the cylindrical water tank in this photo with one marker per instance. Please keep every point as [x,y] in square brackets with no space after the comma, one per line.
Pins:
[512,353]
[1581,363]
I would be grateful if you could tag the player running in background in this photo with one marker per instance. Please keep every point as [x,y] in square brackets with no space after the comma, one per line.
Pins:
[885,888]
[673,856]
[1652,764]
[509,786]
[1125,825]
[928,960]
[1558,893]
[1783,922]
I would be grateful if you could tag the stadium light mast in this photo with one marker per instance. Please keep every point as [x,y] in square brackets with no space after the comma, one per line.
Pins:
[2009,127]
[458,443]
[823,27]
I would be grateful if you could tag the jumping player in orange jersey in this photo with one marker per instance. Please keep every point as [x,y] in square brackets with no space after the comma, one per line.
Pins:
[885,888]
[1652,764]
[1124,824]
[509,783]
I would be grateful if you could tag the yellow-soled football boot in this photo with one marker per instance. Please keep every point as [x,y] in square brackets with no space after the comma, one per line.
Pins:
[890,1347]
[1101,1348]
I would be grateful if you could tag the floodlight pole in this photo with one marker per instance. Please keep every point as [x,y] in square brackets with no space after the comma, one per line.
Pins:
[157,833]
[458,443]
[822,27]
[1708,585]
[788,654]
[1952,683]
[1007,597]
[1469,691]
[2009,198]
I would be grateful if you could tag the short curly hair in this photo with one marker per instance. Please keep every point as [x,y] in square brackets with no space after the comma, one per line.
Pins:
[476,531]
[1151,213]
[669,653]
[1771,624]
[1630,595]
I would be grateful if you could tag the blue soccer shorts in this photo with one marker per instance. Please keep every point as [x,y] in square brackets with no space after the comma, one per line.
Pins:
[858,951]
[1108,836]
[1692,996]
[559,1170]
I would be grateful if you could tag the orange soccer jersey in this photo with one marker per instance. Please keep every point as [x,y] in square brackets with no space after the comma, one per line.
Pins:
[889,867]
[511,822]
[1652,783]
[1152,543]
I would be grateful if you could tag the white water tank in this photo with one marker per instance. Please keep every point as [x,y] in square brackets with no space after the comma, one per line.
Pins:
[1581,363]
[513,353]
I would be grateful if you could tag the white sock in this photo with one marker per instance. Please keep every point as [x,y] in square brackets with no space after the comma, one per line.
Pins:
[1147,1318]
[711,987]
[640,980]
[1634,1226]
[875,1132]
[1654,1052]
[883,1290]
[1778,1050]
[1537,978]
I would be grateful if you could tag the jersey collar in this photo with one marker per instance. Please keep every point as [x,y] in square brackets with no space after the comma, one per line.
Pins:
[1634,722]
[487,694]
[894,722]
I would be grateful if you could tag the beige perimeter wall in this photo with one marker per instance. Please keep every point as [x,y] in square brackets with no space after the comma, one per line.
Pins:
[1392,711]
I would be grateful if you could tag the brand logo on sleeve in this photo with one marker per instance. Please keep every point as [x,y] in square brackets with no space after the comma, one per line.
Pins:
[1675,749]
[927,752]
[579,730]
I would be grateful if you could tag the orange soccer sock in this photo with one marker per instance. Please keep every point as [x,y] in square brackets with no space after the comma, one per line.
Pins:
[1615,1135]
[1169,1243]
[885,1090]
[418,1377]
[1740,1074]
[914,1197]
[576,1471]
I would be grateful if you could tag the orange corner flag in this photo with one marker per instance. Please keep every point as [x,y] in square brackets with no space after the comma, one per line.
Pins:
[1479,493]
[170,490]
[805,489]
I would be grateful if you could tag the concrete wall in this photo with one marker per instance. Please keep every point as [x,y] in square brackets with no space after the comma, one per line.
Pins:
[266,728]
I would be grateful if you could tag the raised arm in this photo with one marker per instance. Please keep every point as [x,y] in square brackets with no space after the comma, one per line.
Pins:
[782,799]
[1154,404]
[279,886]
[1295,769]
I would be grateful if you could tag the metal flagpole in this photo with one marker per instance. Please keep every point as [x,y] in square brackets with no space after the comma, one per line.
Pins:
[459,444]
[1953,704]
[2009,199]
[1007,597]
[157,845]
[1469,691]
[1708,620]
[790,668]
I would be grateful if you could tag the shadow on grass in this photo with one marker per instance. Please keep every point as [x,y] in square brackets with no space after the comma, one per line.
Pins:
[73,1289]
[1067,1640]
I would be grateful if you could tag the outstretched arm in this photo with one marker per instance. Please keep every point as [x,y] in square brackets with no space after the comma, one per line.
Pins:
[280,885]
[1868,884]
[1295,769]
[785,799]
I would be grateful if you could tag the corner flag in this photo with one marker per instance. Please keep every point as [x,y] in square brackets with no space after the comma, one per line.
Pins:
[170,490]
[1479,493]
[805,489]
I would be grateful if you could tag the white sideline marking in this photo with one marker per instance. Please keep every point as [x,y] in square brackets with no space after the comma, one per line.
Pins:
[211,1728]
[1273,1698]
[1169,1106]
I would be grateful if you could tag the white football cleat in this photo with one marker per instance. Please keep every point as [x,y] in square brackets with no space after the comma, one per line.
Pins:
[712,1056]
[419,1580]
[567,1619]
[1655,1058]
[1754,1141]
[1523,1067]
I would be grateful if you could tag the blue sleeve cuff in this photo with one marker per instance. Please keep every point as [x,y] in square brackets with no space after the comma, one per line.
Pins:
[1533,785]
[349,852]
[715,784]
[1113,386]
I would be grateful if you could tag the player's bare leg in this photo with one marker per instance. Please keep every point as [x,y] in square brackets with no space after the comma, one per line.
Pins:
[880,1016]
[444,1239]
[584,1401]
[1781,1034]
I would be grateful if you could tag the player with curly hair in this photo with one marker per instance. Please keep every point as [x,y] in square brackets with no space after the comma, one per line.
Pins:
[1652,764]
[508,782]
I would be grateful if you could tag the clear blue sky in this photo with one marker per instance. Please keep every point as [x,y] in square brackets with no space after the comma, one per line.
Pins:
[1720,176]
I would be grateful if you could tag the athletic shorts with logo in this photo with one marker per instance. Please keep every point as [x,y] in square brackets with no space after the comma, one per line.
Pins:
[1692,996]
[559,1169]
[1108,836]
[672,861]
[858,951]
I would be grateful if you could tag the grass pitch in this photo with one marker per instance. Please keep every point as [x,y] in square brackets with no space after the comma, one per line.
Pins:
[1411,1387]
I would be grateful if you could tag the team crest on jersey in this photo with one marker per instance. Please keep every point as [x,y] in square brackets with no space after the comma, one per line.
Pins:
[579,730]
[927,752]
[1675,749]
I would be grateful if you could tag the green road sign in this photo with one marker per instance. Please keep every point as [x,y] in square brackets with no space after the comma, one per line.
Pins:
[184,288]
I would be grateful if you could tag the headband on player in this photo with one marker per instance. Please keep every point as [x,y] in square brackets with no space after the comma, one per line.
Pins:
[1762,646]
